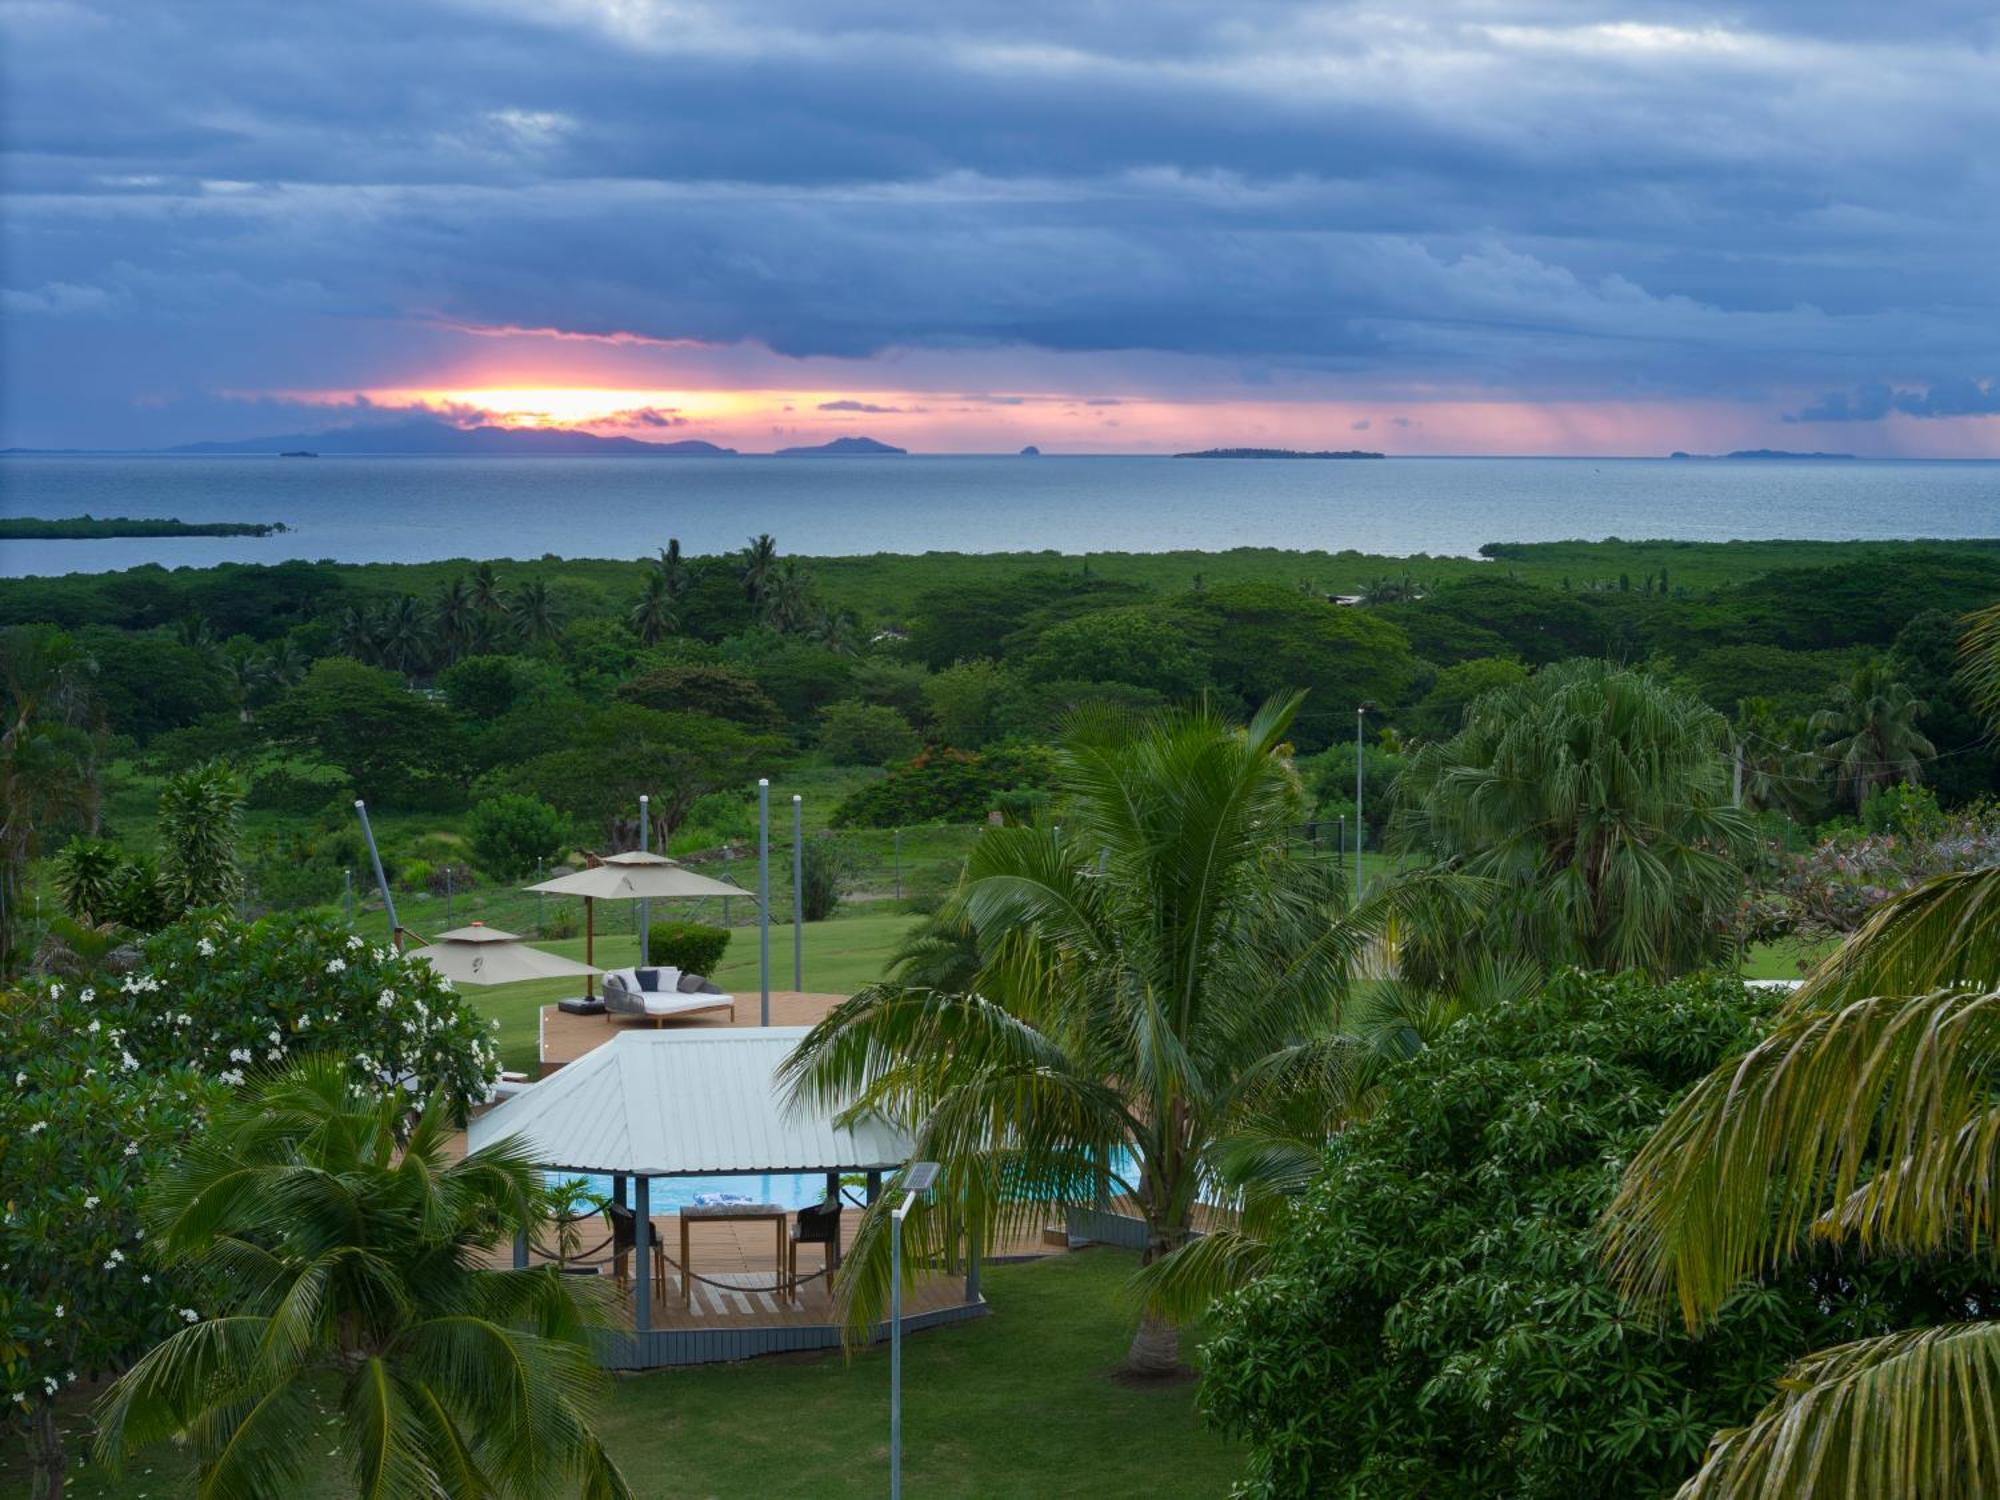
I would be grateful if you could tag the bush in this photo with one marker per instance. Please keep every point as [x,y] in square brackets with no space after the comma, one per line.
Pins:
[1435,1319]
[513,833]
[827,875]
[299,788]
[946,786]
[691,947]
[416,875]
[865,734]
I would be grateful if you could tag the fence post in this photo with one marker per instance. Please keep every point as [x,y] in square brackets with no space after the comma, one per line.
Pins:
[347,894]
[540,875]
[447,893]
[899,864]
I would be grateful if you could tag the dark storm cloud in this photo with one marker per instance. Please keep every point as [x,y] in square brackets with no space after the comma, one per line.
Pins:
[1513,198]
[1871,403]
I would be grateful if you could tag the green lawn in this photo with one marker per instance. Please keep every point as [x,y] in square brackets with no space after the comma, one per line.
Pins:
[1786,960]
[1023,1403]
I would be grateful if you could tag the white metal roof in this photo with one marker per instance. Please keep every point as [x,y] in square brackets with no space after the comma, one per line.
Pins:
[682,1103]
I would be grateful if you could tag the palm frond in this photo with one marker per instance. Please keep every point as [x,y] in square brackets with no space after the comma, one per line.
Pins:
[1944,932]
[1843,1121]
[1912,1415]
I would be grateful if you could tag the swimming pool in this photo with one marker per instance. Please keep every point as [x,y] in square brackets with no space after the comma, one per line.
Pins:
[785,1189]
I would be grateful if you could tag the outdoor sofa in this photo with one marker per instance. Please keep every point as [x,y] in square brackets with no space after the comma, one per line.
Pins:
[659,994]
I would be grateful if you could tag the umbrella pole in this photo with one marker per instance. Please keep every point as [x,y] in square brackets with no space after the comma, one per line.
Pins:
[589,943]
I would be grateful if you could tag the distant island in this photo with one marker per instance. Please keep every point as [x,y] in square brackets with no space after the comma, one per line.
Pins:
[88,528]
[1760,453]
[1276,453]
[846,447]
[1031,451]
[430,438]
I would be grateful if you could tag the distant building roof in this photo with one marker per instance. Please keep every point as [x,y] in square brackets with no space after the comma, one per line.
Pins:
[681,1104]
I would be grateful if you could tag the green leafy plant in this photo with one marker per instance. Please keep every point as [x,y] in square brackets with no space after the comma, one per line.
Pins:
[826,875]
[1435,1318]
[865,734]
[199,809]
[512,834]
[691,947]
[336,1247]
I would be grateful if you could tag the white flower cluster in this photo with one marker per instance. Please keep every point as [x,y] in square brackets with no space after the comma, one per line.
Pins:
[140,984]
[205,948]
[354,943]
[114,1260]
[336,965]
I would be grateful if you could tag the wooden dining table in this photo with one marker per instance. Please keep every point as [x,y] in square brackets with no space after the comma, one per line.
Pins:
[717,1213]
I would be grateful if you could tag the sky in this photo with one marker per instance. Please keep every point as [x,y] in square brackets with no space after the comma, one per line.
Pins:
[1466,226]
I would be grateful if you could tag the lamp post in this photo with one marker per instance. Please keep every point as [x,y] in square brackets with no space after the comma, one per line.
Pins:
[1360,713]
[645,907]
[917,1180]
[798,893]
[381,880]
[764,899]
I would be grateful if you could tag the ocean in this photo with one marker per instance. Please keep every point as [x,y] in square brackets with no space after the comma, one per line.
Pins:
[367,509]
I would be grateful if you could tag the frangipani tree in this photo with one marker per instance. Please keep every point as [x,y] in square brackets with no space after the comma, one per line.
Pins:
[1155,1016]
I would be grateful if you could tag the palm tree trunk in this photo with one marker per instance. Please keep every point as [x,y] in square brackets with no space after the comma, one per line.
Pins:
[1156,1347]
[45,1449]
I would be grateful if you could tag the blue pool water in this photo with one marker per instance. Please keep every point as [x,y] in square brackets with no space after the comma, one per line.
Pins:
[785,1189]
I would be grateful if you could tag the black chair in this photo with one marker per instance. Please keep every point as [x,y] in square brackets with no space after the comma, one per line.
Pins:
[818,1225]
[625,1239]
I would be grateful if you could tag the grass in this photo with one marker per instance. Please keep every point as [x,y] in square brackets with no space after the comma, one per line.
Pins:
[1024,1403]
[840,957]
[1784,960]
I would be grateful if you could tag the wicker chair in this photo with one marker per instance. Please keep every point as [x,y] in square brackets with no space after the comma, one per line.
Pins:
[817,1225]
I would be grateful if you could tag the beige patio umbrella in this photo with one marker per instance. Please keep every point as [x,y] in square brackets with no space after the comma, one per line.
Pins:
[633,876]
[485,955]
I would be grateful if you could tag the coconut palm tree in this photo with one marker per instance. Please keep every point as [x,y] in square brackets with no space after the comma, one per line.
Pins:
[284,664]
[760,558]
[654,618]
[242,673]
[1780,772]
[1865,1120]
[455,612]
[1155,1009]
[404,639]
[785,598]
[342,1254]
[1597,799]
[489,597]
[673,567]
[354,635]
[535,613]
[1870,733]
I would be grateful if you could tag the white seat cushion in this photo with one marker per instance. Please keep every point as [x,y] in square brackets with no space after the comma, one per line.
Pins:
[675,1005]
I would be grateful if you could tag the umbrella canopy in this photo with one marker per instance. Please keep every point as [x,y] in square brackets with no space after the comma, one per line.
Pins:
[637,876]
[485,955]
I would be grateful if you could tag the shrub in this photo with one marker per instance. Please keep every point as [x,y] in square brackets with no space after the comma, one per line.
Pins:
[1434,1319]
[416,875]
[701,687]
[946,786]
[827,875]
[691,947]
[865,734]
[297,788]
[513,833]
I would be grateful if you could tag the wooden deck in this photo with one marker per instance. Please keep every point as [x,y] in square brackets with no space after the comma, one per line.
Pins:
[747,1314]
[565,1038]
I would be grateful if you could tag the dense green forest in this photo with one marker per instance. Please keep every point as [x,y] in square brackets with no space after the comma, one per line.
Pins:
[921,690]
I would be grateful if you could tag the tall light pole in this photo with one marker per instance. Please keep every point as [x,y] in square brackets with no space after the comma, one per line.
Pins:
[917,1180]
[798,893]
[381,880]
[1360,713]
[645,906]
[764,898]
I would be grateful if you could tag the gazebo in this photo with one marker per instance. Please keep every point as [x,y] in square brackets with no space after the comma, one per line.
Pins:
[690,1104]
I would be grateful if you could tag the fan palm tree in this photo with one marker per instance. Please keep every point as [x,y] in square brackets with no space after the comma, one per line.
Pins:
[1870,733]
[760,558]
[1779,771]
[1154,1015]
[1866,1119]
[340,1253]
[1598,799]
[535,613]
[654,618]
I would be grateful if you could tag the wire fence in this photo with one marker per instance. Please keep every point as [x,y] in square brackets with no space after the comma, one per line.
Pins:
[907,869]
